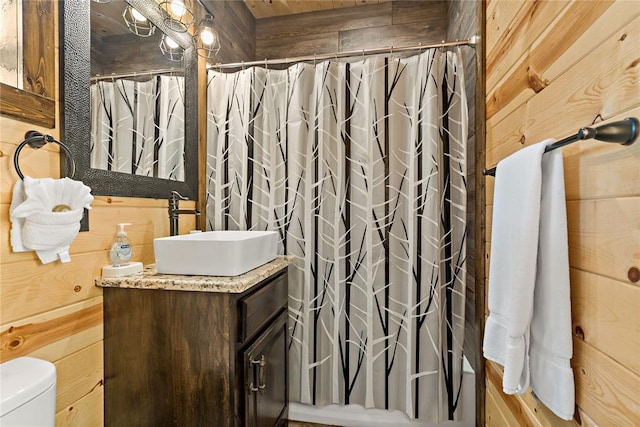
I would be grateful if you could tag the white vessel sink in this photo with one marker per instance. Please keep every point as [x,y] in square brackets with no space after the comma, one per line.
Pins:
[215,253]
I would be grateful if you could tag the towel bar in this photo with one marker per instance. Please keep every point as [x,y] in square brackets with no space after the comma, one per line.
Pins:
[623,132]
[36,140]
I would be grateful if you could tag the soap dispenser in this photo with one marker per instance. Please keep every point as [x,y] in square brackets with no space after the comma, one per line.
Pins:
[120,254]
[121,250]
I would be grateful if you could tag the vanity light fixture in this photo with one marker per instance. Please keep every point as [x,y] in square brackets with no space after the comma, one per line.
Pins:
[206,38]
[178,14]
[137,23]
[171,49]
[102,1]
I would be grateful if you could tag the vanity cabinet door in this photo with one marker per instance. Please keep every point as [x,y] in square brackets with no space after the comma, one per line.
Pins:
[265,373]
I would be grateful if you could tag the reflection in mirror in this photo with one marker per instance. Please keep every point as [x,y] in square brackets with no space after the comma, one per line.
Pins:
[137,95]
[11,43]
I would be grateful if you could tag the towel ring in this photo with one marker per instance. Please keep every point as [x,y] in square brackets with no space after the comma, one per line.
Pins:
[36,140]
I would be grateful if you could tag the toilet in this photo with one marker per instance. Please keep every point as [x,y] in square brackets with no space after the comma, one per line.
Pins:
[27,393]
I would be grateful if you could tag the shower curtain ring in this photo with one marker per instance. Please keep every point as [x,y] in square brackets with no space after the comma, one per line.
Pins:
[266,66]
[314,59]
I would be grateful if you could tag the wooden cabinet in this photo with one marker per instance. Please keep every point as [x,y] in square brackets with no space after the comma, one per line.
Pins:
[185,358]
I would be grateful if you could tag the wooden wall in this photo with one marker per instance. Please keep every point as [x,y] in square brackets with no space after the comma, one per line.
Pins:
[237,29]
[360,27]
[553,67]
[54,311]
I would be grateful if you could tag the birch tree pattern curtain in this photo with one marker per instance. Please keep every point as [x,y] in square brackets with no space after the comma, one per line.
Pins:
[138,127]
[360,168]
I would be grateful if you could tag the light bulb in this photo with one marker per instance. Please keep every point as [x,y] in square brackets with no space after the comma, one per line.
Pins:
[178,8]
[138,16]
[170,43]
[207,36]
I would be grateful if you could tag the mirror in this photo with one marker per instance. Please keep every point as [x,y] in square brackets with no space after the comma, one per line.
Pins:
[76,119]
[136,93]
[32,100]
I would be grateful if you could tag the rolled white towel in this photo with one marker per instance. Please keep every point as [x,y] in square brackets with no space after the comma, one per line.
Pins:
[35,224]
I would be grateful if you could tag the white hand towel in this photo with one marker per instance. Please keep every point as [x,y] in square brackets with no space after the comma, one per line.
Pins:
[551,341]
[528,272]
[34,224]
[17,223]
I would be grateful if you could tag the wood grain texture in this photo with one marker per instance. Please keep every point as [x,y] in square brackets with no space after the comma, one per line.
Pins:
[265,9]
[193,372]
[392,35]
[236,26]
[408,12]
[79,375]
[180,380]
[600,31]
[362,27]
[590,91]
[35,103]
[605,316]
[604,236]
[51,329]
[606,390]
[27,107]
[523,409]
[39,44]
[88,411]
[551,81]
[326,21]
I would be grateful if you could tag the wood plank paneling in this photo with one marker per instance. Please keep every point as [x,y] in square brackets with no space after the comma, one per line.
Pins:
[88,411]
[323,22]
[605,315]
[590,90]
[579,67]
[561,33]
[335,30]
[604,236]
[78,375]
[606,390]
[392,35]
[61,331]
[407,12]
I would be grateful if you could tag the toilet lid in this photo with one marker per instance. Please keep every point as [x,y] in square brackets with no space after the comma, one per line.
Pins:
[23,379]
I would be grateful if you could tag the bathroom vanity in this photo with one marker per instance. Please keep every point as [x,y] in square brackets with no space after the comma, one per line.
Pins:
[196,350]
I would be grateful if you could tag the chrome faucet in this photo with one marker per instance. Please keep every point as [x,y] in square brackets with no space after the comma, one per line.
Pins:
[174,200]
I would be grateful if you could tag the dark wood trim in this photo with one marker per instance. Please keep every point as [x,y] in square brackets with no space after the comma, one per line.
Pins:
[480,118]
[35,103]
[27,107]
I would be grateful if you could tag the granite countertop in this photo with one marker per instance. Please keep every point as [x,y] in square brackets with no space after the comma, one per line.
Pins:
[150,279]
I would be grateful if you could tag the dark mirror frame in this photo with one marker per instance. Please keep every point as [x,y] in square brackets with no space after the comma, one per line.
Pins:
[75,126]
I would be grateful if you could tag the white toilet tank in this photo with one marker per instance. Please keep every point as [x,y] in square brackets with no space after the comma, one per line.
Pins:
[27,393]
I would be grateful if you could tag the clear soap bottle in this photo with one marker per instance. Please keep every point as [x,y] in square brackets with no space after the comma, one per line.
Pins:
[121,249]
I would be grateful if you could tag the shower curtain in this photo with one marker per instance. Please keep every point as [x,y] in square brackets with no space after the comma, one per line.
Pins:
[360,168]
[138,127]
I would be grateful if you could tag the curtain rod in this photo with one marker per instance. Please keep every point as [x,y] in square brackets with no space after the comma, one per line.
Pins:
[98,77]
[319,57]
[623,132]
